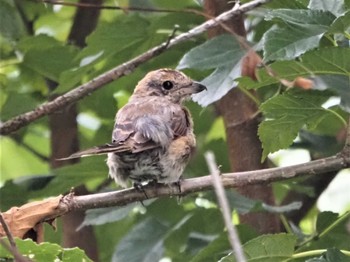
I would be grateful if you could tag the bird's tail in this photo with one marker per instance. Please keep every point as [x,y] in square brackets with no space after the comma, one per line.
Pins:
[97,150]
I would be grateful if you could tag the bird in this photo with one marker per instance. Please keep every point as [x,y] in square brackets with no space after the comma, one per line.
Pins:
[152,139]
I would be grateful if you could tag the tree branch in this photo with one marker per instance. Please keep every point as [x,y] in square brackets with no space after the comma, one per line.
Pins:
[126,68]
[229,180]
[225,208]
[49,209]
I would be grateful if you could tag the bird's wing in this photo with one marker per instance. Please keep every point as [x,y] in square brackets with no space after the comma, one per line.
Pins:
[143,126]
[150,124]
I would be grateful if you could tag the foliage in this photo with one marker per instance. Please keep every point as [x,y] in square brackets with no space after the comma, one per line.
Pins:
[296,39]
[45,252]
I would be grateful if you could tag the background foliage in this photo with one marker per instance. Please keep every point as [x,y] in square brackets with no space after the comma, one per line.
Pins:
[295,38]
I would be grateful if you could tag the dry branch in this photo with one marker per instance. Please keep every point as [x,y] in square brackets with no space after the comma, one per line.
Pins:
[126,68]
[65,204]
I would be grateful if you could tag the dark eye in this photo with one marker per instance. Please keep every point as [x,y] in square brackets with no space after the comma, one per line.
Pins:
[167,85]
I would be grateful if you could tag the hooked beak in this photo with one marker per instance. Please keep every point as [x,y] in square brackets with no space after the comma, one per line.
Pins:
[198,87]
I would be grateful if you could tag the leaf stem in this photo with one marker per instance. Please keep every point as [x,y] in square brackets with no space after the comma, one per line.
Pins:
[314,253]
[286,224]
[331,39]
[334,224]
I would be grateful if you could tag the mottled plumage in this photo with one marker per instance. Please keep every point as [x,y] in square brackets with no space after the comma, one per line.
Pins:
[153,135]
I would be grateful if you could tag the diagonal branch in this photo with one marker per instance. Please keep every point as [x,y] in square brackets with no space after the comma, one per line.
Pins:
[126,68]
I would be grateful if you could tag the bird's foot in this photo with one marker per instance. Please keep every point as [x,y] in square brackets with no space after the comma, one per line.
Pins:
[139,187]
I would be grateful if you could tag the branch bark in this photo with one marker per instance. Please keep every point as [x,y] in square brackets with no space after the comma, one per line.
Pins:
[83,90]
[68,203]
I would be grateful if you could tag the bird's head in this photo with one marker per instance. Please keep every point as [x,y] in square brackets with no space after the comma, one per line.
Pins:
[168,83]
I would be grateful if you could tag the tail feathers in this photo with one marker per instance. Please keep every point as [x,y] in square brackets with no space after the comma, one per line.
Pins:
[97,150]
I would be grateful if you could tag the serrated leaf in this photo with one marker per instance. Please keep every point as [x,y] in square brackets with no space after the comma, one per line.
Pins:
[144,243]
[329,65]
[220,51]
[286,115]
[223,53]
[267,248]
[218,84]
[45,252]
[303,32]
[74,254]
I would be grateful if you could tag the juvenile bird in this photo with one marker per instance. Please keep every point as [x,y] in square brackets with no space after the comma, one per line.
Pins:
[153,135]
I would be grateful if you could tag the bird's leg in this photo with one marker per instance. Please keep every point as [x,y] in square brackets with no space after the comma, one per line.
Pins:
[139,187]
[178,184]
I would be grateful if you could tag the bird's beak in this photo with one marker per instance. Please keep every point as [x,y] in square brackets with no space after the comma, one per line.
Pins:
[198,87]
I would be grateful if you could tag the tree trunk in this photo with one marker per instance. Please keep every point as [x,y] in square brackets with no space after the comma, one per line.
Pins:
[237,110]
[64,139]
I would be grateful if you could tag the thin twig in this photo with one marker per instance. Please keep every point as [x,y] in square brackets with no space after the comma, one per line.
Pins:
[126,68]
[12,247]
[225,208]
[7,231]
[112,7]
[172,35]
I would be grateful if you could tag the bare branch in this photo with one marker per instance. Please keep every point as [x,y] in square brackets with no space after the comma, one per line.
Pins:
[199,184]
[113,7]
[225,208]
[70,202]
[119,71]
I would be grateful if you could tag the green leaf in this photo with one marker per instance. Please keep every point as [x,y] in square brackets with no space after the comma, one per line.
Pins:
[223,53]
[72,176]
[144,243]
[303,32]
[74,254]
[106,215]
[220,245]
[330,232]
[267,248]
[111,38]
[340,84]
[218,84]
[333,63]
[341,24]
[286,114]
[50,62]
[220,51]
[11,26]
[45,252]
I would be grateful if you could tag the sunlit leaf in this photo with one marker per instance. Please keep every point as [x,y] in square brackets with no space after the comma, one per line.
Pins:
[286,115]
[274,248]
[303,32]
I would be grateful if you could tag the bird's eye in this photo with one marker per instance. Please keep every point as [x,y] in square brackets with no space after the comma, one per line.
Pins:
[168,85]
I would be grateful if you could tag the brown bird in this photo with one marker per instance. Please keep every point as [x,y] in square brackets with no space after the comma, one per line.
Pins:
[153,135]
